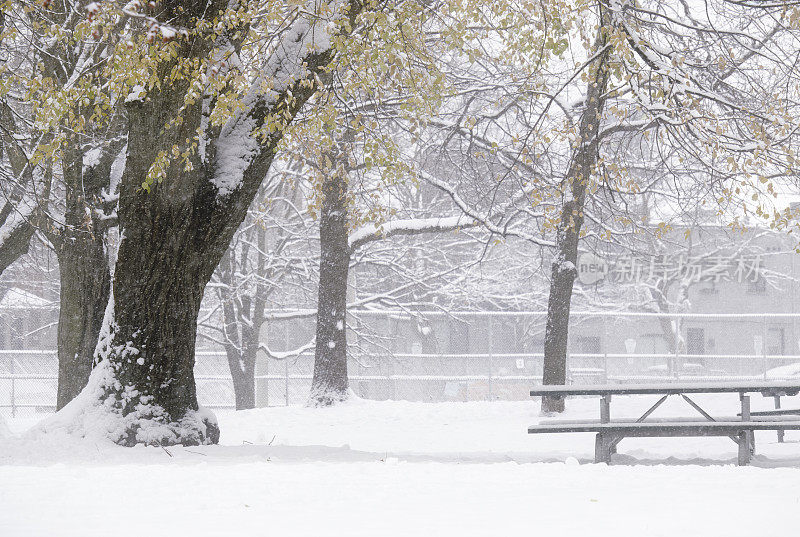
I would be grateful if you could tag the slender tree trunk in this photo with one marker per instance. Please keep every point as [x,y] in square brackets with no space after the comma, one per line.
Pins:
[246,394]
[666,323]
[564,270]
[243,314]
[85,280]
[241,346]
[330,358]
[244,387]
[83,268]
[558,307]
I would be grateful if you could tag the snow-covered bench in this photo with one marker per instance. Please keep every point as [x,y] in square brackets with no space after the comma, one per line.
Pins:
[739,428]
[610,434]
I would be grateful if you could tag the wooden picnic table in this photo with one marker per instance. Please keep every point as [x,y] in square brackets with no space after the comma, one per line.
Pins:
[739,428]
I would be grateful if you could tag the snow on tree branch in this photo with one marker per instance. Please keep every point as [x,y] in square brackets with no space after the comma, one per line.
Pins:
[411,226]
[290,62]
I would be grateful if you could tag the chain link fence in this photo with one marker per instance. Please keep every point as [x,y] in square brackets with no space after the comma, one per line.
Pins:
[468,356]
[29,381]
[449,356]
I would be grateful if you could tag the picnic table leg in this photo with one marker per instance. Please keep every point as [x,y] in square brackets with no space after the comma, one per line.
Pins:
[777,400]
[744,448]
[605,408]
[605,417]
[751,435]
[602,452]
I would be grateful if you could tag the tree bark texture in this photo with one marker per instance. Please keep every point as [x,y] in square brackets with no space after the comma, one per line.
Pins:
[584,160]
[83,268]
[330,357]
[85,279]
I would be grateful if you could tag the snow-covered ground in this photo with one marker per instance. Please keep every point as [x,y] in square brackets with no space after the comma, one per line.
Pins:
[396,468]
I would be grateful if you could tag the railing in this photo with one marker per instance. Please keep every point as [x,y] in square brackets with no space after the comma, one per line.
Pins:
[28,378]
[505,376]
[37,391]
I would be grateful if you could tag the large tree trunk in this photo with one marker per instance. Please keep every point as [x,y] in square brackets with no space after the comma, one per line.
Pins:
[330,358]
[564,270]
[172,239]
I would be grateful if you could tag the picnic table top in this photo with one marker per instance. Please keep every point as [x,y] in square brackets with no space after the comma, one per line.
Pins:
[770,387]
[665,429]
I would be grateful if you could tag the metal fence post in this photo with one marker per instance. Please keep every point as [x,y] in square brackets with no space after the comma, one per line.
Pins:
[604,344]
[13,386]
[568,357]
[490,341]
[286,380]
[764,346]
[676,355]
[391,380]
[266,381]
[394,327]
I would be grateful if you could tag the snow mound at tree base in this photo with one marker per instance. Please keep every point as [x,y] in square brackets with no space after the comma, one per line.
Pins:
[96,414]
[148,425]
[321,398]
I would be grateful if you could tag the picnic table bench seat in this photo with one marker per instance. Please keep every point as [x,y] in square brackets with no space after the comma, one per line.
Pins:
[776,412]
[609,434]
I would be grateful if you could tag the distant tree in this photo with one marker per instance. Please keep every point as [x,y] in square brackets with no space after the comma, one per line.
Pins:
[268,262]
[330,381]
[377,140]
[704,107]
